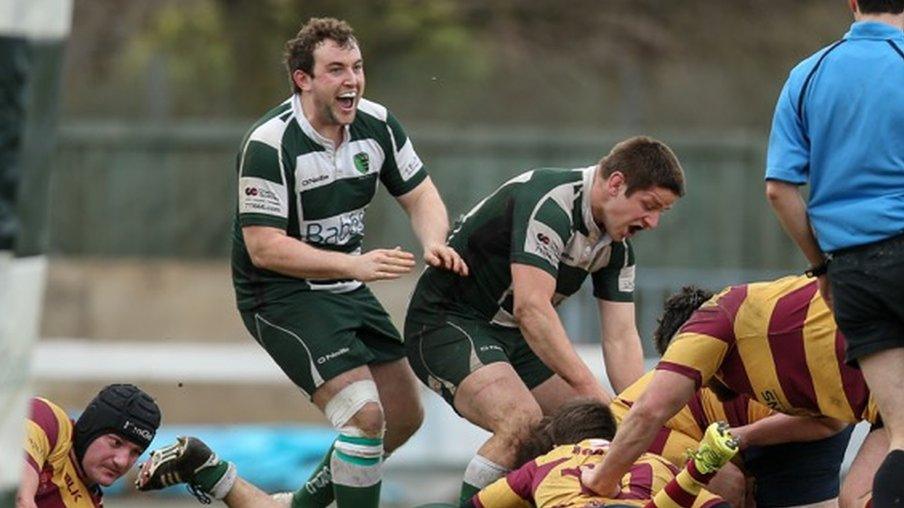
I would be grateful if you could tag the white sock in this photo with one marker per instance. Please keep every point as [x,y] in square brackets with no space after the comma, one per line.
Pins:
[482,472]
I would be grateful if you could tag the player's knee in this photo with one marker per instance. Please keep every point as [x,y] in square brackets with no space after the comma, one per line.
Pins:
[369,419]
[357,406]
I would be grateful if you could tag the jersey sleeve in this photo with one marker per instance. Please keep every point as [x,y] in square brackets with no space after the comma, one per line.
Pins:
[788,157]
[699,347]
[46,428]
[615,281]
[540,230]
[402,170]
[263,193]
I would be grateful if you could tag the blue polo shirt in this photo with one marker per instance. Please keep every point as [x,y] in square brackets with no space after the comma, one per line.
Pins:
[839,125]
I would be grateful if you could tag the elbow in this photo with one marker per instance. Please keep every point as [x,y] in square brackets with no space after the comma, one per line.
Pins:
[524,309]
[260,256]
[654,415]
[775,191]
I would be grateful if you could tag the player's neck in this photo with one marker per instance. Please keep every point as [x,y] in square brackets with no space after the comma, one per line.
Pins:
[332,131]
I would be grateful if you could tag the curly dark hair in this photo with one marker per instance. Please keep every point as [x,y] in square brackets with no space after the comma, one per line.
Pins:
[574,422]
[299,52]
[676,311]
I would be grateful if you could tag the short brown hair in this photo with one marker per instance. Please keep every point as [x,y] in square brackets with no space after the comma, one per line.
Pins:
[299,53]
[646,163]
[573,422]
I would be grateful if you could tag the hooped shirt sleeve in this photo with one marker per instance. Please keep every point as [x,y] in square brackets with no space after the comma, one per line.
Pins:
[263,198]
[46,429]
[614,282]
[402,169]
[788,157]
[541,227]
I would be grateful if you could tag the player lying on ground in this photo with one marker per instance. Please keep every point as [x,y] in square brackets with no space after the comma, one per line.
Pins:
[576,438]
[552,479]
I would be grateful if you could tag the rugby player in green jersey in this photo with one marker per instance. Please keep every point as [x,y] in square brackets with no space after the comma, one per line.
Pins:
[491,344]
[307,171]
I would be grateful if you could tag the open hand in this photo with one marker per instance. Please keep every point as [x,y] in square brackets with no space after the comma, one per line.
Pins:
[383,264]
[445,257]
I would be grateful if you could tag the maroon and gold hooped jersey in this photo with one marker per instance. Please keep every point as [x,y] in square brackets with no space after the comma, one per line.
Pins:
[554,480]
[49,450]
[777,343]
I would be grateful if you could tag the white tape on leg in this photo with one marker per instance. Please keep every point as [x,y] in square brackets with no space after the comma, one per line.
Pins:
[340,409]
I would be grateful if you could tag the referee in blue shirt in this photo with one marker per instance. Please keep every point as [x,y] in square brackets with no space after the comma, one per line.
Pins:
[839,127]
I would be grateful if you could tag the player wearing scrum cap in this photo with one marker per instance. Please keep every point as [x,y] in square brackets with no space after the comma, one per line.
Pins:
[68,462]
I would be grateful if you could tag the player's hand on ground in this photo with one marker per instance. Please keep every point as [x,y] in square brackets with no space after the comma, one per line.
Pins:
[445,257]
[382,264]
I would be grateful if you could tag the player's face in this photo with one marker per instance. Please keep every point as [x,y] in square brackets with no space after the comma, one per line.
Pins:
[337,84]
[108,458]
[623,216]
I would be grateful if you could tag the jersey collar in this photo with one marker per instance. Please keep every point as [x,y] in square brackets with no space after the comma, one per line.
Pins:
[308,129]
[593,231]
[873,30]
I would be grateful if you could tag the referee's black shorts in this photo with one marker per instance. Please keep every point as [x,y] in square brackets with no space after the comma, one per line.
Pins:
[868,293]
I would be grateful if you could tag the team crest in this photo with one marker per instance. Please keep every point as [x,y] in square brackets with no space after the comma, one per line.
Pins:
[362,162]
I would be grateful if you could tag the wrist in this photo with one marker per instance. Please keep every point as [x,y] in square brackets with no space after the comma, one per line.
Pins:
[818,270]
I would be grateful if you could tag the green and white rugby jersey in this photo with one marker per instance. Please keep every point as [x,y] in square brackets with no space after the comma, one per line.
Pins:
[540,218]
[292,178]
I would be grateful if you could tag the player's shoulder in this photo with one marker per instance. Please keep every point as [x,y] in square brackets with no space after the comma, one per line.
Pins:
[50,419]
[805,67]
[373,109]
[556,182]
[269,128]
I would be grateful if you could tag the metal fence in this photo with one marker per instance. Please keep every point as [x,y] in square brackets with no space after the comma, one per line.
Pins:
[168,191]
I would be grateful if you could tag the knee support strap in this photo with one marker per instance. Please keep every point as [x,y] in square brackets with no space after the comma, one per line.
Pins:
[340,409]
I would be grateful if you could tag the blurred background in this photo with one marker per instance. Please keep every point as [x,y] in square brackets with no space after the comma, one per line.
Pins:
[153,99]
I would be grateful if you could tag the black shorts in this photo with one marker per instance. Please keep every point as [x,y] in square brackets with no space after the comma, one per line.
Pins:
[868,293]
[792,474]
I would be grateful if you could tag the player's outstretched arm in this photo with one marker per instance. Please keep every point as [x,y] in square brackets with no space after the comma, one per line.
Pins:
[271,249]
[666,394]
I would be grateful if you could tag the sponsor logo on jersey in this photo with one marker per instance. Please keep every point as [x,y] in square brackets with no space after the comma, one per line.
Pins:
[626,279]
[362,162]
[313,180]
[255,192]
[336,231]
[543,238]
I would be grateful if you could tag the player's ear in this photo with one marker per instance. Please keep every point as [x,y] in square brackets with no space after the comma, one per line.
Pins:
[302,80]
